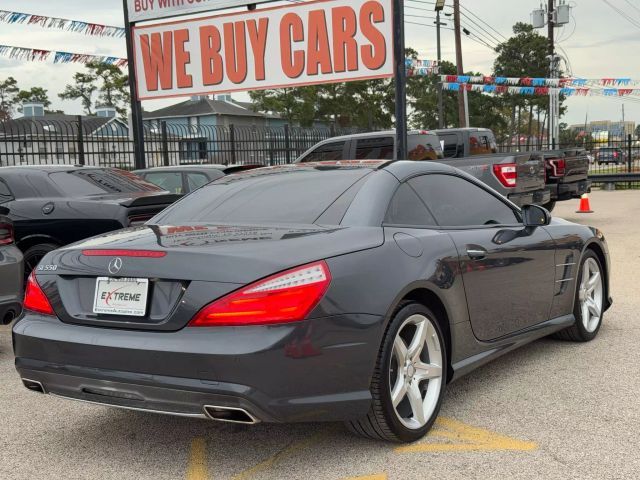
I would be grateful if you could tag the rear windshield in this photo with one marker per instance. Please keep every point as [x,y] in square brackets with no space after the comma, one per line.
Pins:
[297,196]
[99,181]
[424,147]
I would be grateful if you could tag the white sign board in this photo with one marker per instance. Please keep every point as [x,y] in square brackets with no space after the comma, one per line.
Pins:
[142,10]
[291,45]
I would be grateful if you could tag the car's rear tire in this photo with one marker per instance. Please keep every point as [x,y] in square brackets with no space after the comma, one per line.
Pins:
[410,372]
[589,301]
[34,254]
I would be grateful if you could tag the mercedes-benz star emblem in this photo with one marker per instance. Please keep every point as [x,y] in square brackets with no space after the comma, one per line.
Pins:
[115,265]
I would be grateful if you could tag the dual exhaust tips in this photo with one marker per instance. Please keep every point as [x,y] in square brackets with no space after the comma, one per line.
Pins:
[213,412]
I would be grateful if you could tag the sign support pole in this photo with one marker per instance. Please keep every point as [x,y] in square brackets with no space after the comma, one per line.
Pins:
[136,105]
[400,80]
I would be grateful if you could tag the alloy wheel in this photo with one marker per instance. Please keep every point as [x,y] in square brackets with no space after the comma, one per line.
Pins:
[415,371]
[590,295]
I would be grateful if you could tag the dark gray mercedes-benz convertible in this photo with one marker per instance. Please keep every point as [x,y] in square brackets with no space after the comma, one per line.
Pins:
[349,291]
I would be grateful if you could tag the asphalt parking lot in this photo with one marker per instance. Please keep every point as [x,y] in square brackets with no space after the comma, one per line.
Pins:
[550,410]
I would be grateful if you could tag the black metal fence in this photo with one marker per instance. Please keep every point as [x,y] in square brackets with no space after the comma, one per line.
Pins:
[614,163]
[101,141]
[105,142]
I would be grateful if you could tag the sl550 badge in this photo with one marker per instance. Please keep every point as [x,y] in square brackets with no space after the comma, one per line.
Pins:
[47,268]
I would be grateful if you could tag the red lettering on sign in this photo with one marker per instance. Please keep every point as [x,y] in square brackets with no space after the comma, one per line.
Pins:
[157,56]
[291,30]
[373,56]
[183,58]
[212,69]
[235,51]
[345,47]
[319,53]
[258,38]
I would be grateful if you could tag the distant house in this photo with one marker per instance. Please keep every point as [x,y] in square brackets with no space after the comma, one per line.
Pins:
[219,130]
[43,138]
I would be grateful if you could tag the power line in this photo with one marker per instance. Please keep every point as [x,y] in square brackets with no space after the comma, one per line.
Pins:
[633,22]
[488,35]
[482,21]
[632,5]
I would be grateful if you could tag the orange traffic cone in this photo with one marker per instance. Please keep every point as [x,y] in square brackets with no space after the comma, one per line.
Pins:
[584,205]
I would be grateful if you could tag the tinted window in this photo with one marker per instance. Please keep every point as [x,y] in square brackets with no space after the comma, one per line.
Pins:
[276,196]
[328,151]
[450,144]
[374,148]
[170,181]
[456,202]
[406,208]
[100,181]
[424,146]
[196,180]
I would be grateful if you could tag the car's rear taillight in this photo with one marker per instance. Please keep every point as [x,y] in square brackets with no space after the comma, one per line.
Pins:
[6,234]
[615,154]
[35,299]
[558,166]
[506,174]
[285,297]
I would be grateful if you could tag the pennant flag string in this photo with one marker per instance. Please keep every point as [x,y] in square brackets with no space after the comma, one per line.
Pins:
[86,28]
[541,82]
[540,90]
[37,55]
[416,67]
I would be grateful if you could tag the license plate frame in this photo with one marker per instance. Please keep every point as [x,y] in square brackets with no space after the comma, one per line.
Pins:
[121,296]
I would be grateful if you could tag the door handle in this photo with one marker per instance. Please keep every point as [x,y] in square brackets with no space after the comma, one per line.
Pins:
[475,252]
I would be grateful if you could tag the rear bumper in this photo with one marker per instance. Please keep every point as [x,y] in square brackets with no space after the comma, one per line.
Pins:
[315,370]
[538,197]
[566,191]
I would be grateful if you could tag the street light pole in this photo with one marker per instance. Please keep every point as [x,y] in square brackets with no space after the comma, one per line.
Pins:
[136,106]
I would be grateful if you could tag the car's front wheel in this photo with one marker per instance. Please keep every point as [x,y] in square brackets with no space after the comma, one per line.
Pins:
[589,301]
[409,378]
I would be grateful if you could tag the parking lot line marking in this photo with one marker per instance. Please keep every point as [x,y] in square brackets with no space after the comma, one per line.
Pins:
[278,456]
[466,438]
[197,468]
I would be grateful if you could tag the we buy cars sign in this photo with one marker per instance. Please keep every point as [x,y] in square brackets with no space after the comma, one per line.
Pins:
[292,45]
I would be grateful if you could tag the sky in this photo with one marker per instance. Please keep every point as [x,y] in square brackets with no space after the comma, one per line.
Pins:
[598,42]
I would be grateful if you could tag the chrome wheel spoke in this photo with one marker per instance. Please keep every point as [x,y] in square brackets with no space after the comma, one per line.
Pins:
[418,340]
[400,350]
[593,307]
[593,282]
[427,371]
[399,390]
[417,405]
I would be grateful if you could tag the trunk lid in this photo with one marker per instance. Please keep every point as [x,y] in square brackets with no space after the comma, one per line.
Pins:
[200,263]
[531,172]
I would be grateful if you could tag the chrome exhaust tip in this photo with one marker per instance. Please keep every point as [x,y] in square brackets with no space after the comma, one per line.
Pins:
[33,385]
[230,414]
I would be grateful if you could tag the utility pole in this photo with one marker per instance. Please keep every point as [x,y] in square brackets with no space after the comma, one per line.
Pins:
[439,7]
[463,117]
[552,71]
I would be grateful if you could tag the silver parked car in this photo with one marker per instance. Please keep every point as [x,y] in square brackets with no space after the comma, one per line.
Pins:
[11,276]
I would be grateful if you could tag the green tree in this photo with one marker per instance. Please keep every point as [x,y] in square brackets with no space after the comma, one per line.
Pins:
[637,132]
[36,94]
[83,89]
[8,97]
[295,105]
[107,81]
[523,55]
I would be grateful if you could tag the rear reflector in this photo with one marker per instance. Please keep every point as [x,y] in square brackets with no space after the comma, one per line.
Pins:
[124,253]
[35,299]
[6,234]
[506,174]
[285,297]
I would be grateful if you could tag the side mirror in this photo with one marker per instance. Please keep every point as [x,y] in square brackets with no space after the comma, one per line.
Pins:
[535,216]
